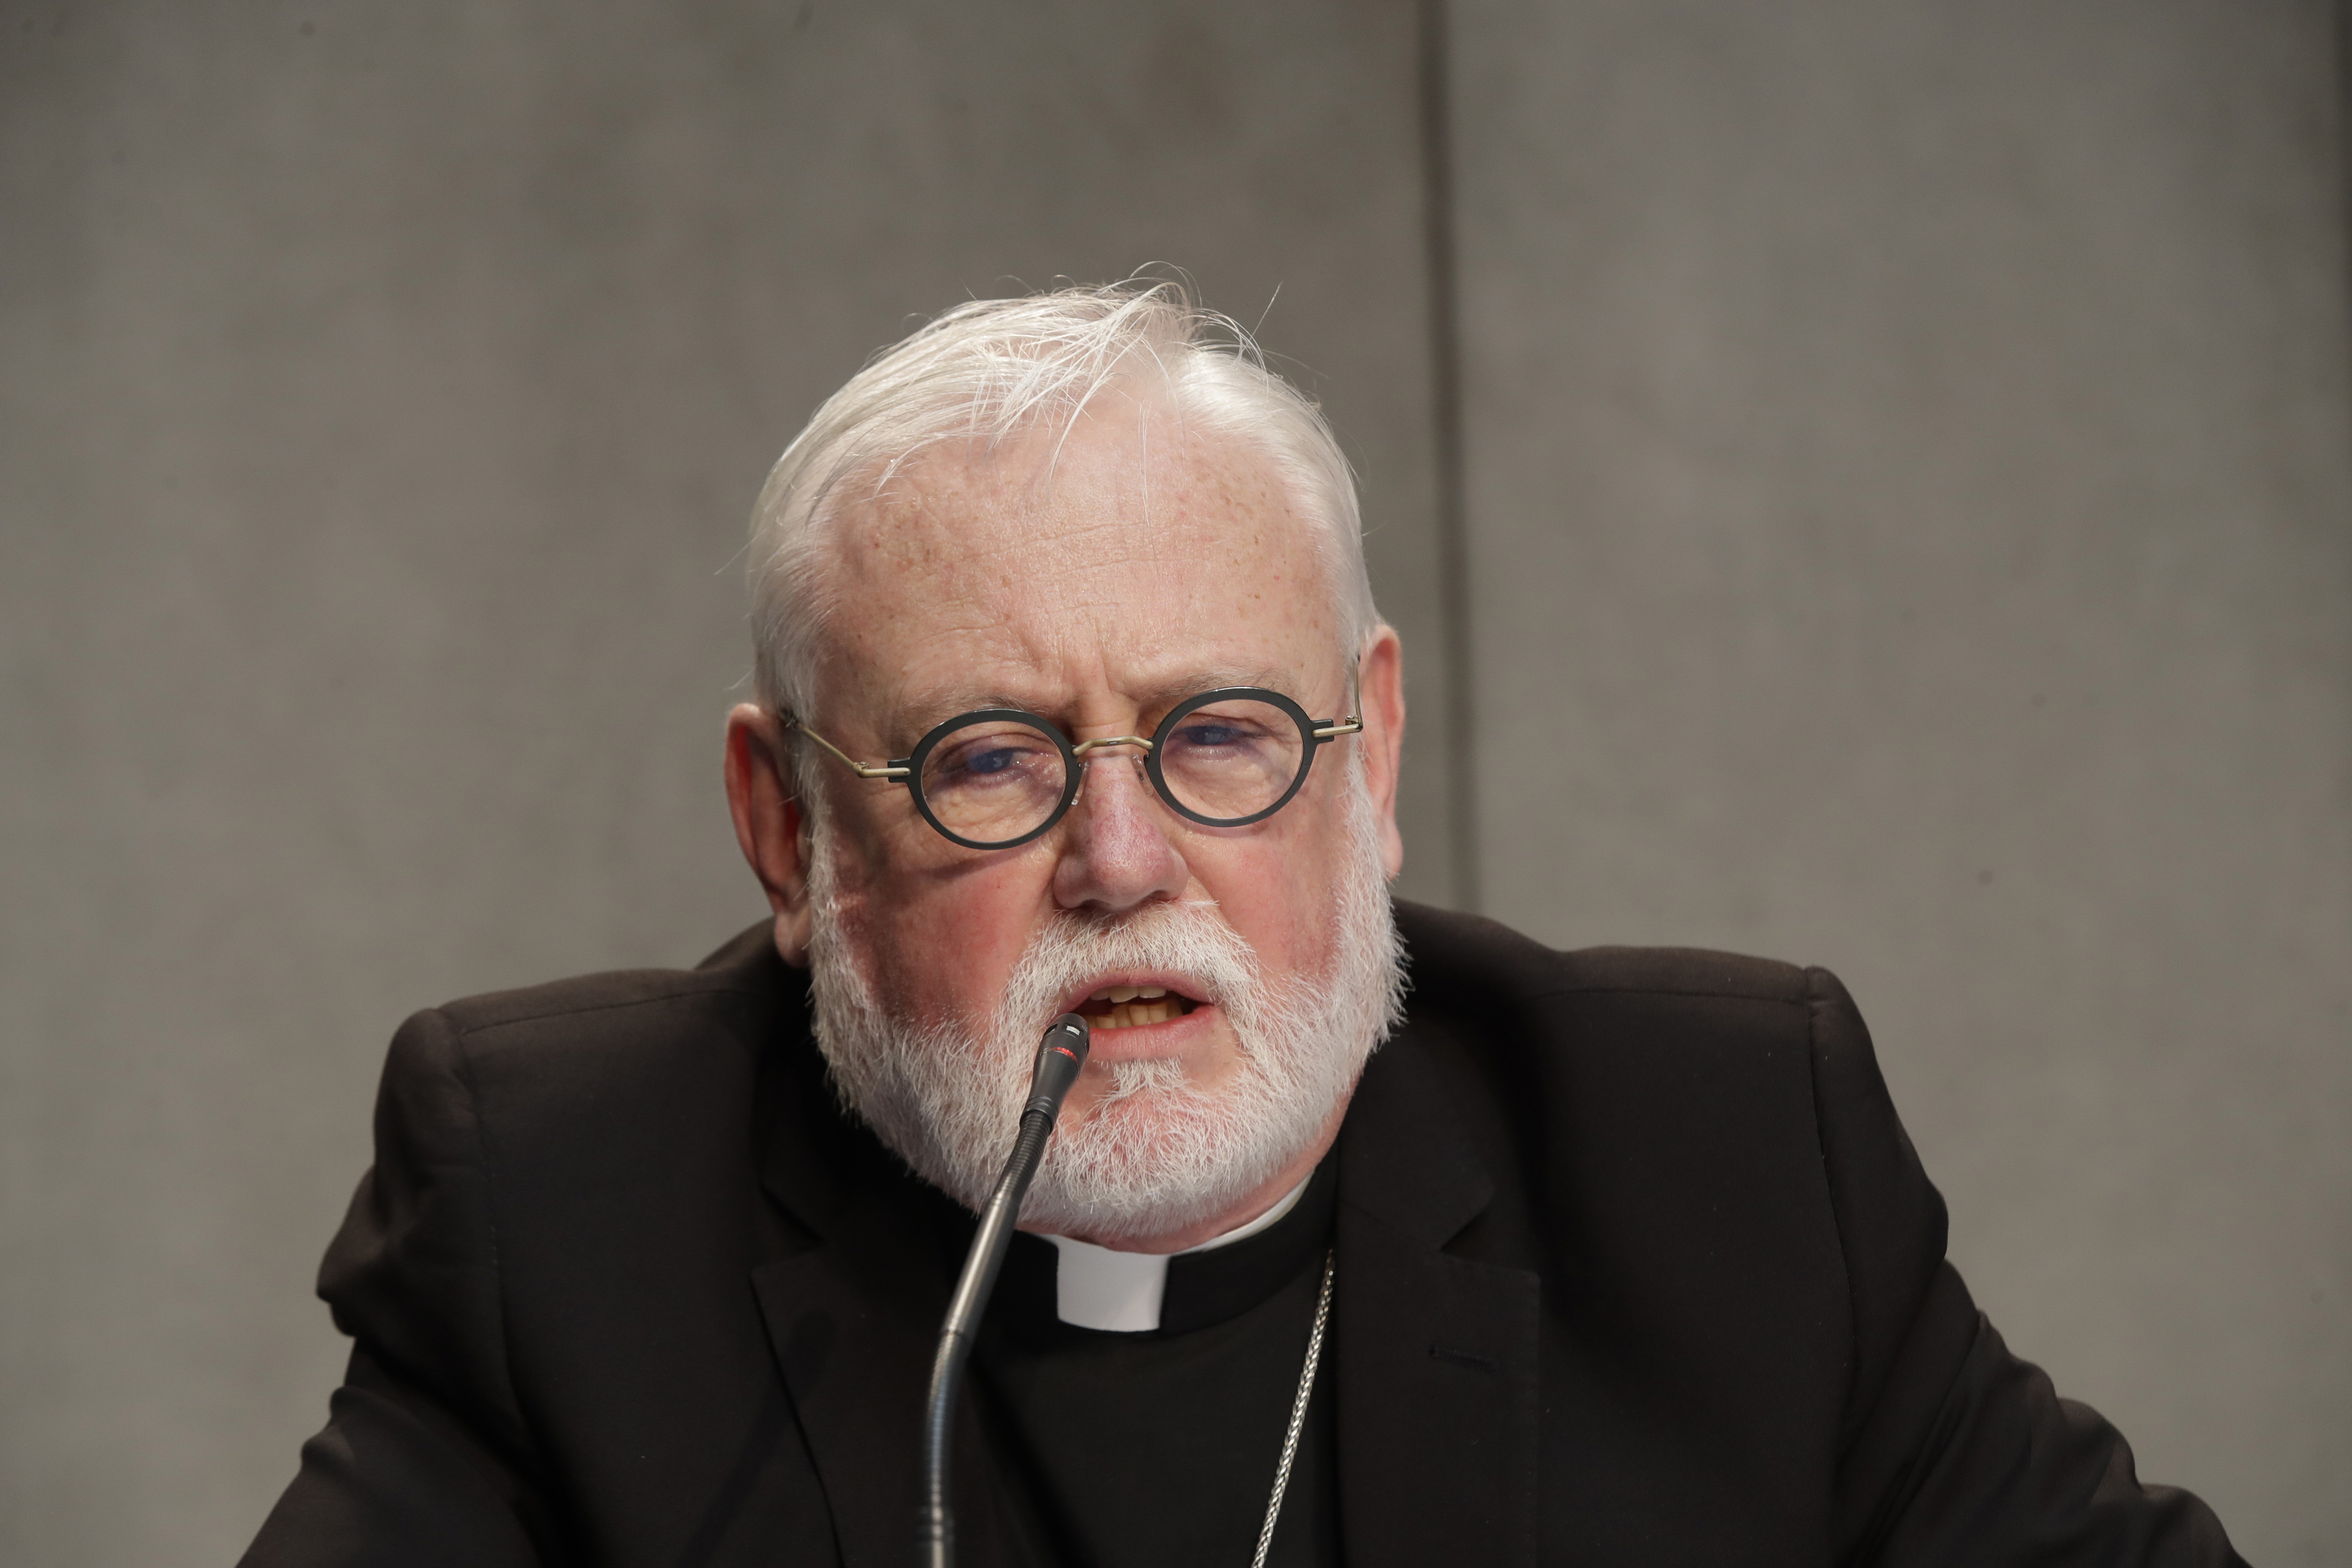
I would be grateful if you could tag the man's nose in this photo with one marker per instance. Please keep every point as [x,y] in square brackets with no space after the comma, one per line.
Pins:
[1118,853]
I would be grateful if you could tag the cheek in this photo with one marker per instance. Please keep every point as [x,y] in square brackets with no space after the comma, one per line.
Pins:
[1276,890]
[947,937]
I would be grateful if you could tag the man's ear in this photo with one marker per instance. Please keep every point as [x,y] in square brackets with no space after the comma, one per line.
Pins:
[1380,687]
[770,824]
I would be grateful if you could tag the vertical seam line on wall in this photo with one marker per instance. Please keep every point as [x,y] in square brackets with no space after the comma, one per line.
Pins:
[2343,20]
[1438,223]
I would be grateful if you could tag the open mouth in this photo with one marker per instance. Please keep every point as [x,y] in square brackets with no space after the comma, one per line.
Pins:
[1131,1006]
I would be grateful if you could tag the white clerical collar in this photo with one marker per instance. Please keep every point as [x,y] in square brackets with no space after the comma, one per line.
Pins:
[1095,1288]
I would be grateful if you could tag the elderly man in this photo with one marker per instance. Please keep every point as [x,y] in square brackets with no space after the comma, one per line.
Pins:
[1073,697]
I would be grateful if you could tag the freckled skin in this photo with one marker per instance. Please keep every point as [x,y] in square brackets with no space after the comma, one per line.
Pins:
[1096,585]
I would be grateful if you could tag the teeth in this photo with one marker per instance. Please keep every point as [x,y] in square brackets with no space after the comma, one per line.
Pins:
[1127,1015]
[1117,994]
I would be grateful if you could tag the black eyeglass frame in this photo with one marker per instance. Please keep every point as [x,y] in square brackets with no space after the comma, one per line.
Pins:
[909,770]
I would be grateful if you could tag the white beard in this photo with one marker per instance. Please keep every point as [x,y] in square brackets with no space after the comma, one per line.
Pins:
[1156,1153]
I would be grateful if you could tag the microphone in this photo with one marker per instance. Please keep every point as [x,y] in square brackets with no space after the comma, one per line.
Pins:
[1060,1055]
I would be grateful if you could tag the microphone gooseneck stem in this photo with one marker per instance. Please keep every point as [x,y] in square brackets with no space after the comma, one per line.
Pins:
[1059,1057]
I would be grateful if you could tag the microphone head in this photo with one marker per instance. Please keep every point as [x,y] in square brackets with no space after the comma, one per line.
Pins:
[1060,1055]
[1072,1033]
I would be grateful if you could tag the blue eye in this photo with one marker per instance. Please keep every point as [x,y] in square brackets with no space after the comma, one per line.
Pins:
[994,761]
[1214,735]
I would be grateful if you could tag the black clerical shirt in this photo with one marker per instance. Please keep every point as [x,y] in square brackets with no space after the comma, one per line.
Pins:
[1158,1449]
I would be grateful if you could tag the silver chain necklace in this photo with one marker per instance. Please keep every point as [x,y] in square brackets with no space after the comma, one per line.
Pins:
[1298,1416]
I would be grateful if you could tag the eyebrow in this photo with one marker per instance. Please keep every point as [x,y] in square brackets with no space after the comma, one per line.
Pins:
[919,711]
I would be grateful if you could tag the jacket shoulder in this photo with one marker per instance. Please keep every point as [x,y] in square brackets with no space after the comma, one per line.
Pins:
[1456,953]
[746,966]
[597,1070]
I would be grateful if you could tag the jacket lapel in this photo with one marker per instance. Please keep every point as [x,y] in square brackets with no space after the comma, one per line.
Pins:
[1437,1368]
[851,1294]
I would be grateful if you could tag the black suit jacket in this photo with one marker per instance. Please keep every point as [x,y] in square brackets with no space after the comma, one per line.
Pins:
[1635,1267]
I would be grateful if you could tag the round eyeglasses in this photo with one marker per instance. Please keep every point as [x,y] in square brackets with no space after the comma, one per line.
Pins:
[999,777]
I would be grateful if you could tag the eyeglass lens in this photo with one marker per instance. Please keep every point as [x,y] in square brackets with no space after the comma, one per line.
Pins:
[997,780]
[1230,759]
[993,780]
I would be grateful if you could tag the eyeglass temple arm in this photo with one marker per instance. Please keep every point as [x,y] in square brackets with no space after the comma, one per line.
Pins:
[863,770]
[1353,723]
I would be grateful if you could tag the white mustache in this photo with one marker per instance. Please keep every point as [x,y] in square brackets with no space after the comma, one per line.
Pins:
[1187,938]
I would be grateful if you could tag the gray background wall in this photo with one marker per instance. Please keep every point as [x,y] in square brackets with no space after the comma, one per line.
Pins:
[1907,470]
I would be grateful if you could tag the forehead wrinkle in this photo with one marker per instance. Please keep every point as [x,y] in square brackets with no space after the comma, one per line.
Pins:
[985,505]
[926,554]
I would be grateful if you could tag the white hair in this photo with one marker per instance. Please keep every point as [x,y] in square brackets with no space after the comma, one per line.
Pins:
[993,369]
